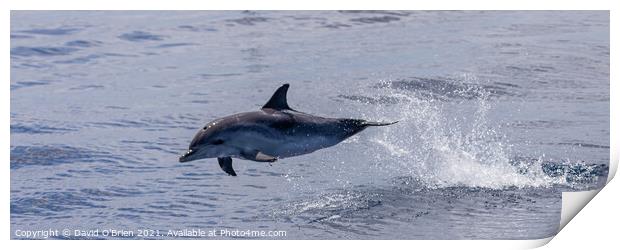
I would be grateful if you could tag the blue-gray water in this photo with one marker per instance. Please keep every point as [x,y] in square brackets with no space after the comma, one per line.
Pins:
[499,112]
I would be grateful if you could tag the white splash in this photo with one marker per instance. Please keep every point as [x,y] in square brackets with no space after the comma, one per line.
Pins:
[441,150]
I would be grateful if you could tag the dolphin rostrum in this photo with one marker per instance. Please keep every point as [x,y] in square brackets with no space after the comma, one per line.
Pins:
[275,131]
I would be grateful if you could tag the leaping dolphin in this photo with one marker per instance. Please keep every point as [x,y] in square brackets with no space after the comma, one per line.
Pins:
[275,131]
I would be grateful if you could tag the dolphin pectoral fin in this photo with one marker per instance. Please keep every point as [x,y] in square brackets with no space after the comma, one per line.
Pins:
[278,100]
[264,157]
[226,165]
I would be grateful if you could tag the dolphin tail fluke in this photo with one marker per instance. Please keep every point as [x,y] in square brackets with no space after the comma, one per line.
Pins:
[226,165]
[354,126]
[368,123]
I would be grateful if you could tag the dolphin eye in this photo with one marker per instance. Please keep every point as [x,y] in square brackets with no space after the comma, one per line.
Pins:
[218,142]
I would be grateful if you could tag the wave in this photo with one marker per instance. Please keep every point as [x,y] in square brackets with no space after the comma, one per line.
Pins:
[51,32]
[24,128]
[140,36]
[51,155]
[23,84]
[364,212]
[23,51]
[249,21]
[83,43]
[451,88]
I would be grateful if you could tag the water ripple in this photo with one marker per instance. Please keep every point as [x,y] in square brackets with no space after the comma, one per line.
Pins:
[140,36]
[79,60]
[376,19]
[83,43]
[22,128]
[249,21]
[446,88]
[51,32]
[42,51]
[171,45]
[51,202]
[50,155]
[22,84]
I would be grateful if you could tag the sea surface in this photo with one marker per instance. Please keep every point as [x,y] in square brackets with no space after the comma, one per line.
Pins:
[499,112]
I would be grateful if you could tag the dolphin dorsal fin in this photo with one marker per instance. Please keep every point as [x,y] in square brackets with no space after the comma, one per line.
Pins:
[278,100]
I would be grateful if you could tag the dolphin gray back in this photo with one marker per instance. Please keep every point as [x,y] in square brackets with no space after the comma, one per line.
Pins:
[294,122]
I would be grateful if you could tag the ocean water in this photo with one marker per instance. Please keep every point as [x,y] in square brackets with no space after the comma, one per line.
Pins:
[500,112]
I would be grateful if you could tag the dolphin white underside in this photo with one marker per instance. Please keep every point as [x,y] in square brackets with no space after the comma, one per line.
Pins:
[280,146]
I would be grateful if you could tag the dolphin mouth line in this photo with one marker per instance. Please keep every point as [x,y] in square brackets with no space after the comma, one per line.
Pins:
[186,155]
